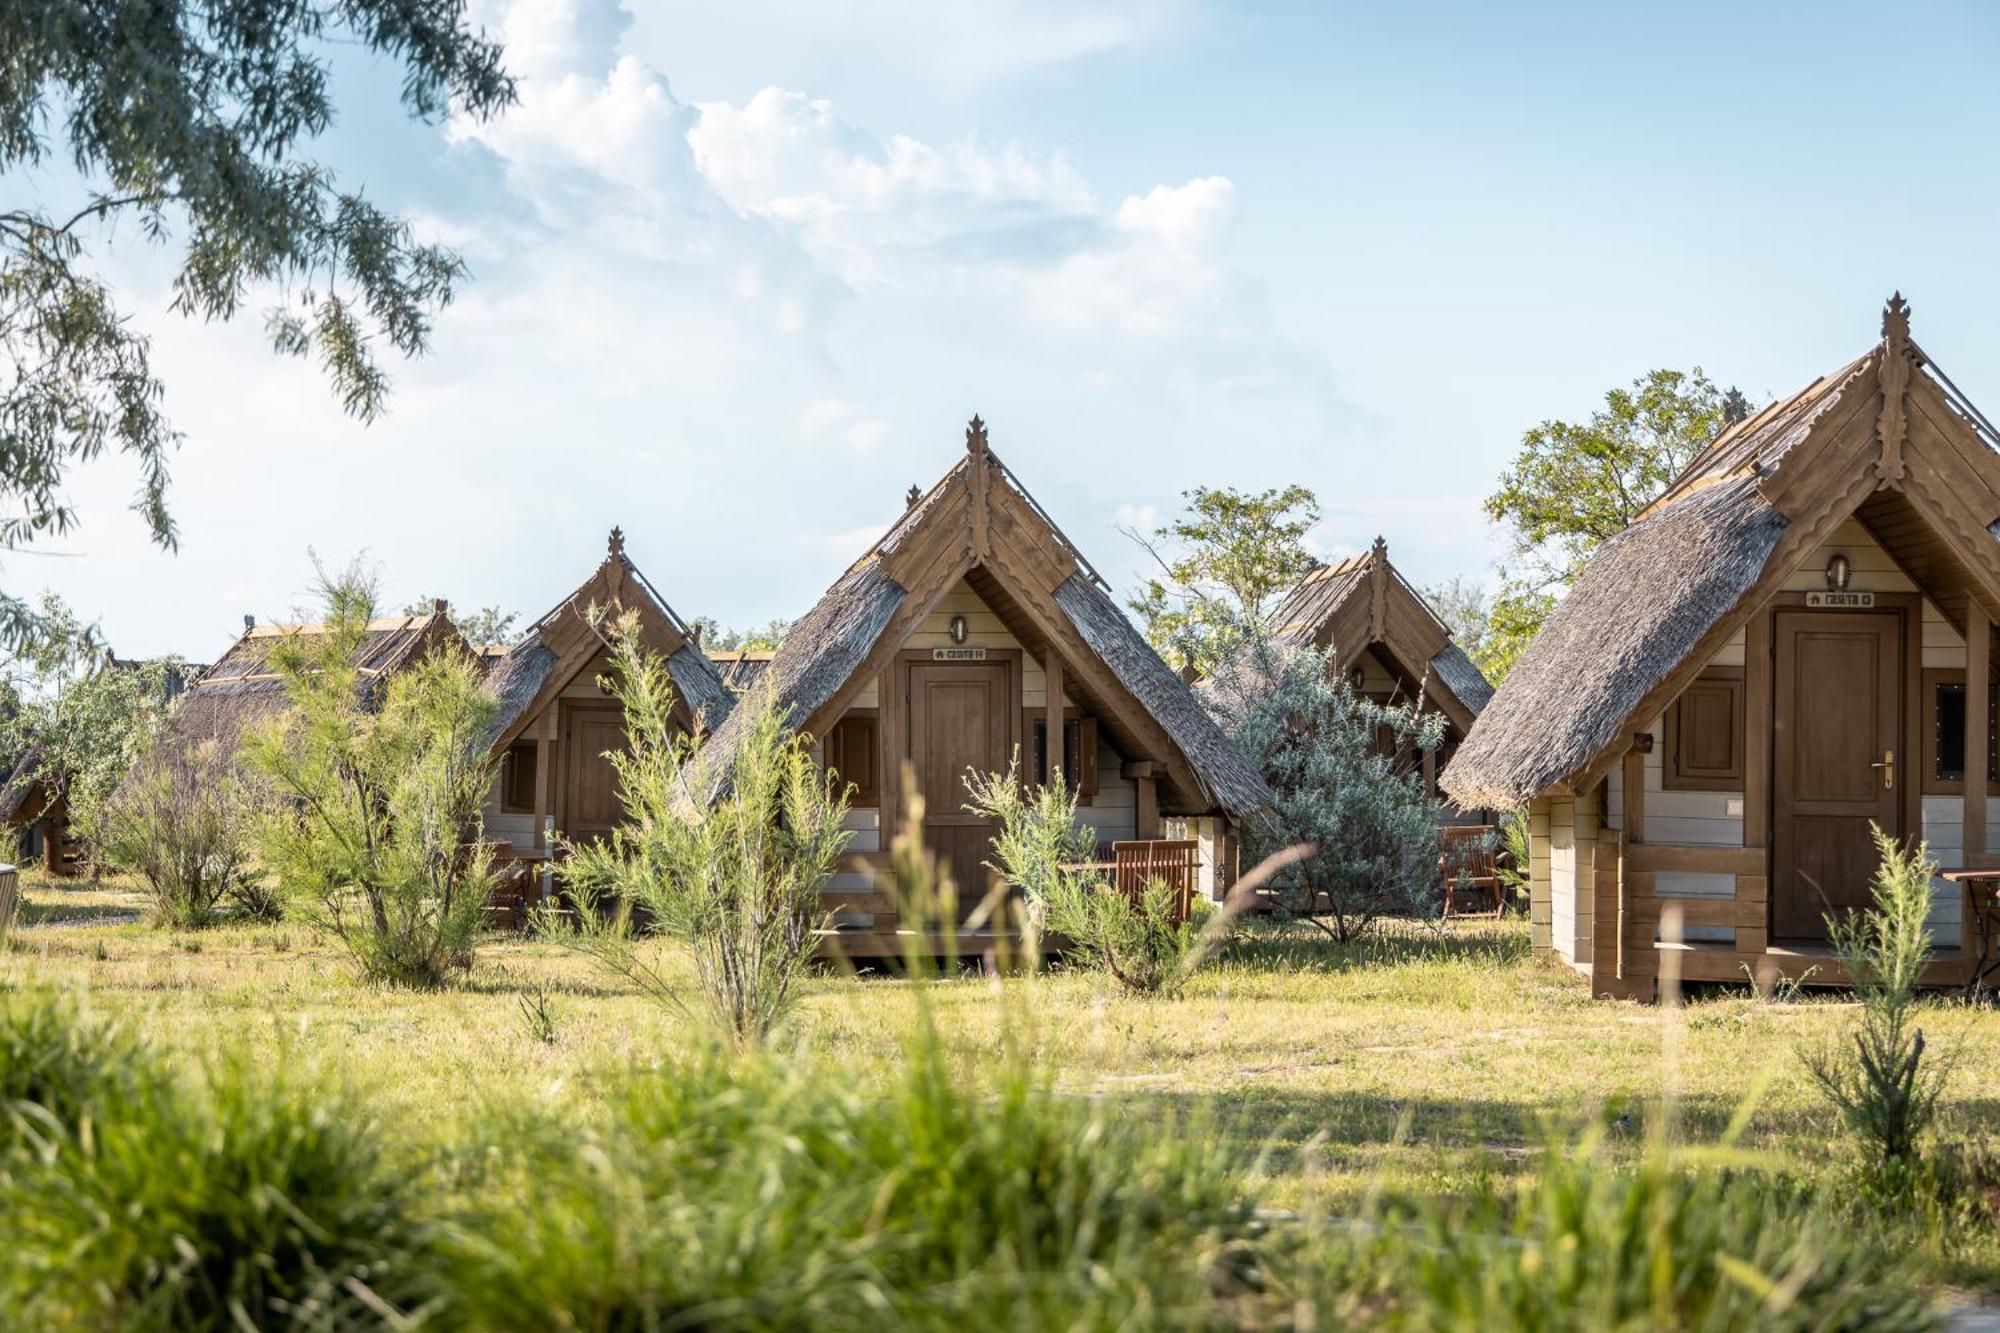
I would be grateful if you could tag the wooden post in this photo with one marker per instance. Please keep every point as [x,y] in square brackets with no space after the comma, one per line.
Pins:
[890,708]
[1052,671]
[1145,777]
[545,763]
[1978,679]
[1632,792]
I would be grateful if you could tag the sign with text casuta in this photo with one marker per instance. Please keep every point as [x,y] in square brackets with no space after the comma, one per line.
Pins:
[1842,601]
[958,654]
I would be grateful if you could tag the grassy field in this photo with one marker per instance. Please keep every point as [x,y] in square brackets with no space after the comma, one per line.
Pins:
[1418,1062]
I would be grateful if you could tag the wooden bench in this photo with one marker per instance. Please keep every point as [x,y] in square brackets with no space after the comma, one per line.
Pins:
[1468,861]
[1172,861]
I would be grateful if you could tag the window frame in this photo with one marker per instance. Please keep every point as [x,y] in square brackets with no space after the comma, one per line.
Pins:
[514,798]
[1034,764]
[1673,775]
[868,797]
[1930,784]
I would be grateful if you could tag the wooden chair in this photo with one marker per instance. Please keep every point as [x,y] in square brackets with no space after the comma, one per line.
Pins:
[10,898]
[1174,861]
[1468,864]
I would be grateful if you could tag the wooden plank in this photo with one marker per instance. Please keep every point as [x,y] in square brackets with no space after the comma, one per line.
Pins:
[545,767]
[1052,670]
[1646,911]
[1978,676]
[1658,856]
[1757,661]
[1148,817]
[1633,794]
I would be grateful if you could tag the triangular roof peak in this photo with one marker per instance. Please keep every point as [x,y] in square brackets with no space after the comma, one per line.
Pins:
[560,645]
[979,524]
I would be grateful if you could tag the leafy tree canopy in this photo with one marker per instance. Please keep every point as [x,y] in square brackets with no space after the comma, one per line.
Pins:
[1574,485]
[1224,564]
[762,638]
[182,120]
[487,625]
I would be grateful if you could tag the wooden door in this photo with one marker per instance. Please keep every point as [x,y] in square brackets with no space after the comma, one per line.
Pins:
[590,804]
[1838,762]
[960,718]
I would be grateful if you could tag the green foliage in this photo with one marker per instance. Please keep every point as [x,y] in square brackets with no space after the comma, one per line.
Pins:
[82,719]
[735,881]
[183,821]
[1466,608]
[486,626]
[743,1191]
[1138,944]
[1585,1244]
[1575,485]
[1881,1083]
[141,1197]
[758,639]
[1226,562]
[184,121]
[372,811]
[1347,778]
[1517,854]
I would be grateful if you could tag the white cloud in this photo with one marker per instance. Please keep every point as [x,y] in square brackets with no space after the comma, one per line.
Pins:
[837,420]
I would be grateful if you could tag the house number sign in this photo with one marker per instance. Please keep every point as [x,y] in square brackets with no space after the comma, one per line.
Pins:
[1846,601]
[958,654]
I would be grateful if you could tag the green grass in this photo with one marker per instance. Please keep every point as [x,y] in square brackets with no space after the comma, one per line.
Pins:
[1421,1064]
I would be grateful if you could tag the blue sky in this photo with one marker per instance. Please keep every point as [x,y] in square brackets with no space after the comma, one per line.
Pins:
[743,269]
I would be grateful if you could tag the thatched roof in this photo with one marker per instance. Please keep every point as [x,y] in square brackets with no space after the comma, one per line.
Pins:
[740,668]
[1364,603]
[1641,605]
[570,635]
[242,685]
[22,785]
[1236,786]
[979,523]
[1887,439]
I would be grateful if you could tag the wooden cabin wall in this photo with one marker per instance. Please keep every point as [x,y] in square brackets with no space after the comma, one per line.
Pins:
[519,827]
[1715,819]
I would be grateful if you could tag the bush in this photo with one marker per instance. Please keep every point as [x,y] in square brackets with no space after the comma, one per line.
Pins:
[1585,1244]
[370,816]
[1141,945]
[183,822]
[1345,774]
[138,1198]
[1881,1083]
[735,881]
[736,1190]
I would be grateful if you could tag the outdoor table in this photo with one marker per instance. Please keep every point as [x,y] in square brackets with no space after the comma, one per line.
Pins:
[1982,913]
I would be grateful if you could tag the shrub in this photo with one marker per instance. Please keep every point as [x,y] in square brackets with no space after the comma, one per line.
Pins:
[1344,773]
[735,1189]
[183,822]
[735,880]
[371,812]
[1881,1083]
[1585,1244]
[141,1198]
[1139,944]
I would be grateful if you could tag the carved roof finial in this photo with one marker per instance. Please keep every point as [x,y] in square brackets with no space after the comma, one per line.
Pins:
[915,494]
[975,437]
[1896,322]
[617,542]
[1381,548]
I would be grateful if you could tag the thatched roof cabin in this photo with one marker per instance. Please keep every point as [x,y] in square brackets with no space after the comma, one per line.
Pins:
[555,723]
[974,630]
[1782,649]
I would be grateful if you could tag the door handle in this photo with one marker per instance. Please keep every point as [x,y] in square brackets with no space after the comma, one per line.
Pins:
[1888,767]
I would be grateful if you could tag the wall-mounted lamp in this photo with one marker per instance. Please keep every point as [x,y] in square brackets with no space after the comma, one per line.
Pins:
[958,630]
[1837,570]
[1356,678]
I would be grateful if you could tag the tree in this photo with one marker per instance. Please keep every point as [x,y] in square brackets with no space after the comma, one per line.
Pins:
[1346,780]
[182,121]
[1466,608]
[763,639]
[1224,563]
[737,883]
[83,719]
[1574,486]
[373,820]
[487,625]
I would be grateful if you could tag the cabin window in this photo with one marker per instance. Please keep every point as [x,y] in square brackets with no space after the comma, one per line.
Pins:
[1704,740]
[1944,734]
[517,779]
[851,751]
[1079,761]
